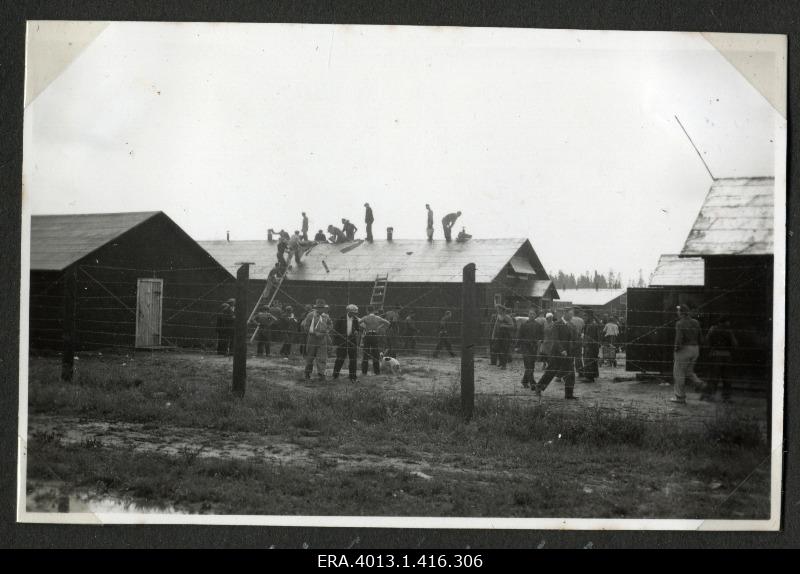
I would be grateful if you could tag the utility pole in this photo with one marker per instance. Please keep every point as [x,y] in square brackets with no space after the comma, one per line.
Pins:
[469,334]
[240,331]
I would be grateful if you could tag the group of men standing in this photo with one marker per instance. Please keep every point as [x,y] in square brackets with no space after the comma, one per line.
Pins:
[567,346]
[315,331]
[448,221]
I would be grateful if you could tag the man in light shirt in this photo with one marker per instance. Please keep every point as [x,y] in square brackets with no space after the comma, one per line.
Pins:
[371,324]
[318,325]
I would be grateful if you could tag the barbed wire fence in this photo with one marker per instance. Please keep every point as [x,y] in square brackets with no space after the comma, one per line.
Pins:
[95,308]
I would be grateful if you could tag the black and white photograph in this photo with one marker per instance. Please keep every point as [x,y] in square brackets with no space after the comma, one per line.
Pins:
[402,276]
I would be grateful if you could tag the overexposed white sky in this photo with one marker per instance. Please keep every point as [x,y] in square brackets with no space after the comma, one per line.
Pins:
[565,137]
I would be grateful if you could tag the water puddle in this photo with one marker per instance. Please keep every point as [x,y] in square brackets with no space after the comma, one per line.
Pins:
[59,498]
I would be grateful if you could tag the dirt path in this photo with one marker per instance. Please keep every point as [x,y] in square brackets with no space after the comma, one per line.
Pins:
[188,443]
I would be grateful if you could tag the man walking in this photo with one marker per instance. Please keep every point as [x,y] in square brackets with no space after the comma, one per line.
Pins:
[368,219]
[346,335]
[429,229]
[561,362]
[444,340]
[305,227]
[448,221]
[371,324]
[317,324]
[722,344]
[530,334]
[687,350]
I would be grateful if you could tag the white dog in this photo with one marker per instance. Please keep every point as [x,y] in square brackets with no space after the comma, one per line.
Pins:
[390,364]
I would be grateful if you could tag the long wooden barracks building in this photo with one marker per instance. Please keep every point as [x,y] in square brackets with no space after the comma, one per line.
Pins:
[414,274]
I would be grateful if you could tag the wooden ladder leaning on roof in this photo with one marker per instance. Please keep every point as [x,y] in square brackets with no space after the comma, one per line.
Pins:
[379,292]
[268,294]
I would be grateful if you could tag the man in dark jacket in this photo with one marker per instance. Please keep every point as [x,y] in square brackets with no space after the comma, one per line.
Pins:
[561,362]
[722,345]
[444,340]
[264,319]
[320,237]
[410,333]
[349,229]
[502,333]
[225,320]
[346,338]
[592,336]
[530,335]
[368,219]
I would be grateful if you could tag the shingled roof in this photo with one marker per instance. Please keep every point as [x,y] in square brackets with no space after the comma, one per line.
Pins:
[736,219]
[403,260]
[58,241]
[677,271]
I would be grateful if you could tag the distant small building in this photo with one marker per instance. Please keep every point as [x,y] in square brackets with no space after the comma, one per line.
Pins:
[611,302]
[141,282]
[676,271]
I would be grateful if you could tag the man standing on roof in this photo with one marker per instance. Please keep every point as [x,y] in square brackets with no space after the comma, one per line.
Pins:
[346,337]
[429,229]
[305,227]
[371,324]
[448,221]
[318,325]
[368,219]
[337,236]
[349,229]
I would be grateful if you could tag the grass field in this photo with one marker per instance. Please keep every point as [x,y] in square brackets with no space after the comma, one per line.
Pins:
[162,431]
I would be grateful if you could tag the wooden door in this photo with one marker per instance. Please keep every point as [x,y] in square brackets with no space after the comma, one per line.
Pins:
[148,312]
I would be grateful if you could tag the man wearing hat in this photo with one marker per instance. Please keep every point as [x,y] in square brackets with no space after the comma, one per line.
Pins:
[346,337]
[371,324]
[502,332]
[318,325]
[368,219]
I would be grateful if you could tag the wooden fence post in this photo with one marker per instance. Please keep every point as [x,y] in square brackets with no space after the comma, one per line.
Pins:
[469,335]
[240,331]
[68,330]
